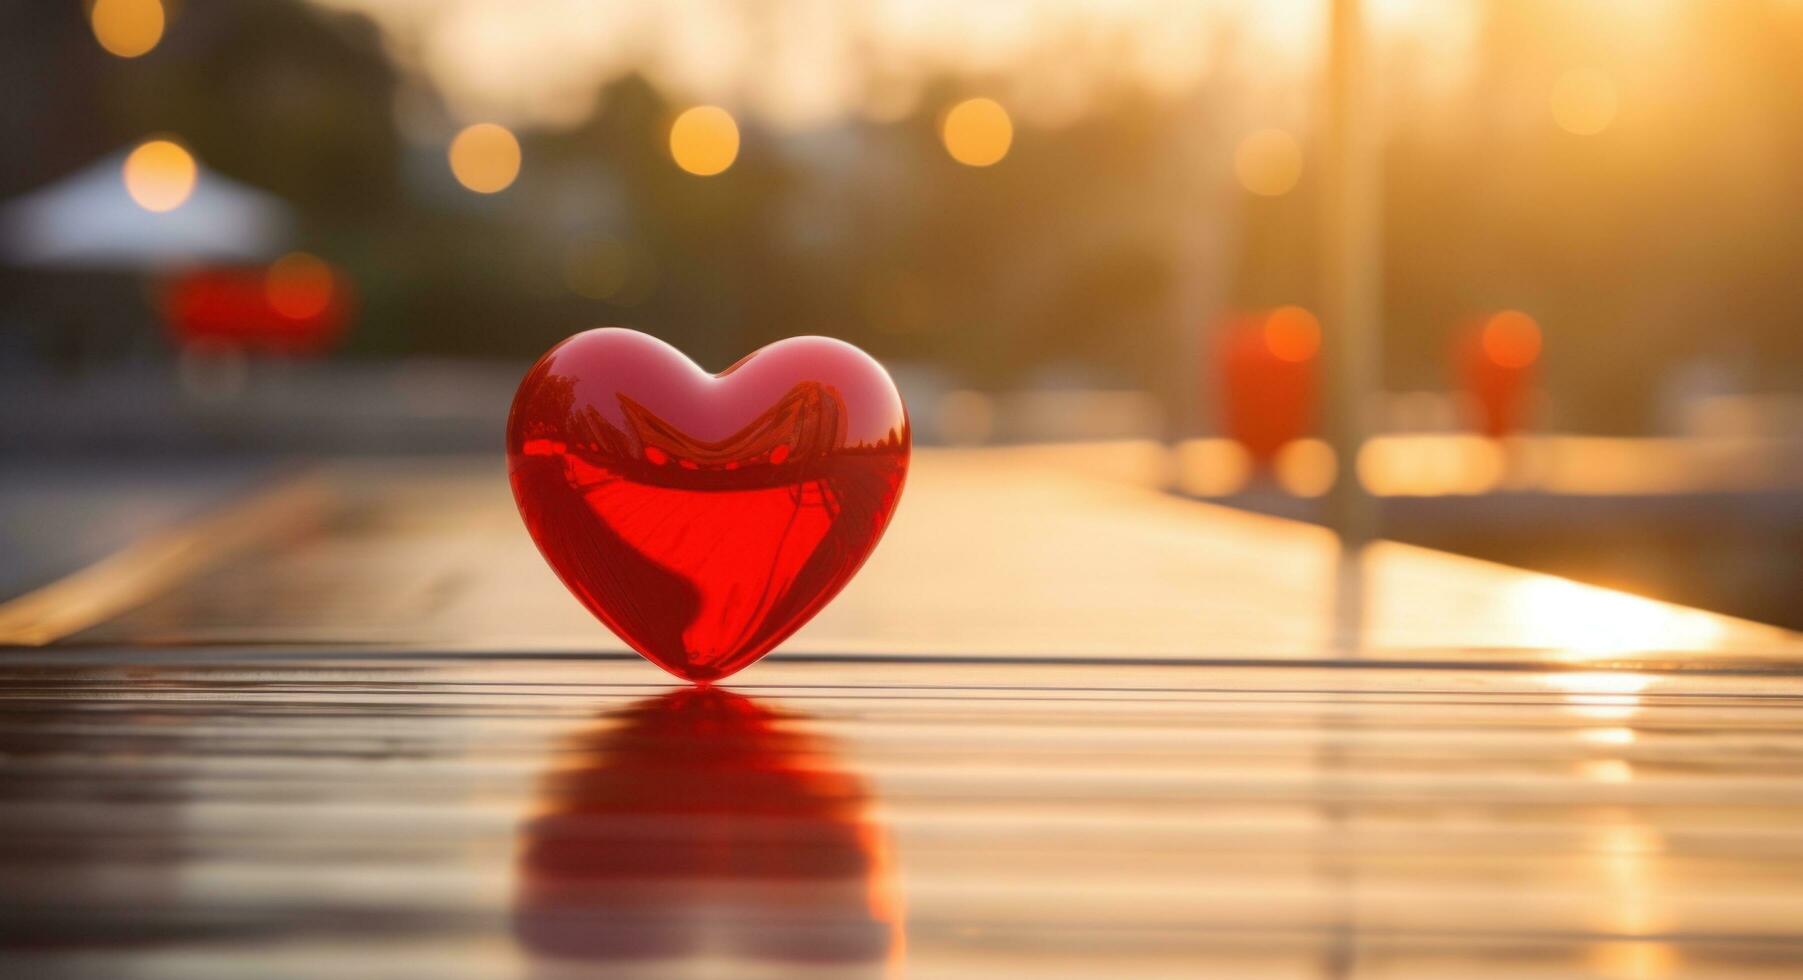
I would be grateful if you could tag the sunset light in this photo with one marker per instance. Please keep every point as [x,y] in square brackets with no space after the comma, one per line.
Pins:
[902,488]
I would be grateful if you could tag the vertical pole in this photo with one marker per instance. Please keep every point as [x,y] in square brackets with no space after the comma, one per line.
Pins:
[1350,255]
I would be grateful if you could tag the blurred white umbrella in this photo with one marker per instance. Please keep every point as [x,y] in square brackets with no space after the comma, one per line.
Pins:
[90,220]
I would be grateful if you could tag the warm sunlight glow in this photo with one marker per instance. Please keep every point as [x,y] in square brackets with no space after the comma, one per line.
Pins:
[127,28]
[1584,101]
[1268,163]
[1608,736]
[977,132]
[1634,960]
[1292,334]
[704,140]
[1586,622]
[1511,339]
[1633,887]
[159,175]
[1604,695]
[298,286]
[485,158]
[1606,770]
[514,60]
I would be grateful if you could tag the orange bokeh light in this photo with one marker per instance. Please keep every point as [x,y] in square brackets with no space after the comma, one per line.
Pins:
[127,28]
[1511,339]
[704,140]
[298,286]
[977,132]
[1292,334]
[485,158]
[160,175]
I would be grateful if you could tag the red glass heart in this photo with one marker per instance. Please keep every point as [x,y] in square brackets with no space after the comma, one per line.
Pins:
[705,518]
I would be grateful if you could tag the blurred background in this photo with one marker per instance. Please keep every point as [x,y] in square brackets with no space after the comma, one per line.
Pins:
[234,233]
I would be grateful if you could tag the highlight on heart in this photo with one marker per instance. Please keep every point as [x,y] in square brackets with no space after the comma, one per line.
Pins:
[704,518]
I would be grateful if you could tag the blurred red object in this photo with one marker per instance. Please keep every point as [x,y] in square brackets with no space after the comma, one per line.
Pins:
[1270,378]
[1496,361]
[297,305]
[703,822]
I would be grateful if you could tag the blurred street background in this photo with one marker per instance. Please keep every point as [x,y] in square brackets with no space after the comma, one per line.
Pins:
[1193,304]
[237,233]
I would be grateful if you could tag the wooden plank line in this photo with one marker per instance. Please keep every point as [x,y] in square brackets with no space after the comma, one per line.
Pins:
[154,564]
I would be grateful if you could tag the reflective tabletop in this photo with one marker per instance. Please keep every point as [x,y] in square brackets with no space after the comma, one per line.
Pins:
[1061,726]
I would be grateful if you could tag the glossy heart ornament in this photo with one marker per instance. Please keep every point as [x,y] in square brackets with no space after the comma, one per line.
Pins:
[705,518]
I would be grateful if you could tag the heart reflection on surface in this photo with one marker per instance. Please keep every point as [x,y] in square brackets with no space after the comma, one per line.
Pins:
[704,829]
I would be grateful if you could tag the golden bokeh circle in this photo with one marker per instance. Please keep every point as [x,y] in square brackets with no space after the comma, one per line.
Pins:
[704,140]
[977,132]
[127,28]
[485,158]
[159,175]
[1268,163]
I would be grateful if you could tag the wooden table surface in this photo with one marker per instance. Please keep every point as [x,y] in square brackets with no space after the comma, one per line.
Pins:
[1061,726]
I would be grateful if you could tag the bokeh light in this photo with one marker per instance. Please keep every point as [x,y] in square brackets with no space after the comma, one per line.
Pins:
[1292,334]
[1212,467]
[977,132]
[1584,101]
[485,158]
[298,285]
[1268,162]
[1305,467]
[159,175]
[1511,339]
[1430,465]
[704,140]
[127,28]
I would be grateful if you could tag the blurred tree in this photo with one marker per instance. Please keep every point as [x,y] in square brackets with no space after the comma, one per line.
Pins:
[276,93]
[1663,236]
